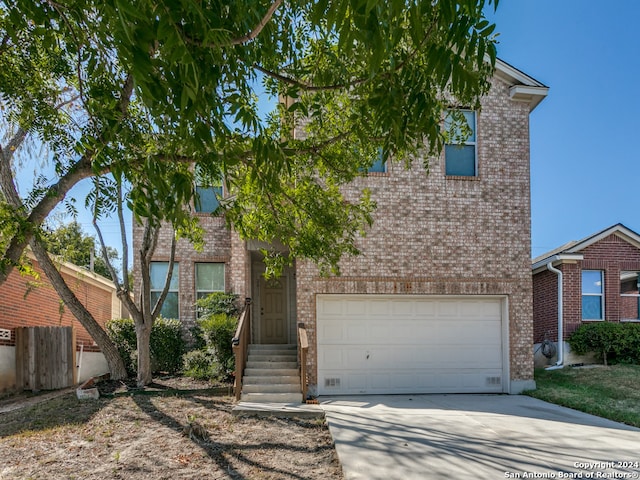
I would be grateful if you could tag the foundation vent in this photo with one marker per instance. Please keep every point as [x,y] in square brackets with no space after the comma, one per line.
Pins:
[332,382]
[494,381]
[5,334]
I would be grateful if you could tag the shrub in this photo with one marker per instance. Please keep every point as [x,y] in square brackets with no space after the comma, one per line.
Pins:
[217,332]
[614,342]
[218,302]
[199,365]
[166,344]
[212,337]
[122,333]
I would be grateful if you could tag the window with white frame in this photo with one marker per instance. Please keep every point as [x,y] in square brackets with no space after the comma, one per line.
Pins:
[630,295]
[208,192]
[460,154]
[592,295]
[209,279]
[158,271]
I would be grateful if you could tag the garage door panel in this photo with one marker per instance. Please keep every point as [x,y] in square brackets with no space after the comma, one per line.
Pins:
[409,344]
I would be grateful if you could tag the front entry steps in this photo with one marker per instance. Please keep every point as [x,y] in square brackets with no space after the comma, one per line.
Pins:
[271,375]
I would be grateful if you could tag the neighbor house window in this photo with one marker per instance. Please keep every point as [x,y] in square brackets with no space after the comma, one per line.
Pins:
[158,275]
[460,154]
[630,295]
[209,279]
[592,295]
[208,192]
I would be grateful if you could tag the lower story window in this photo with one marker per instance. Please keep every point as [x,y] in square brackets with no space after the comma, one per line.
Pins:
[630,295]
[170,307]
[592,295]
[209,279]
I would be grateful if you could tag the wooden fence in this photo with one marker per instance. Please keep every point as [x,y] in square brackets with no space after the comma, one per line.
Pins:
[45,358]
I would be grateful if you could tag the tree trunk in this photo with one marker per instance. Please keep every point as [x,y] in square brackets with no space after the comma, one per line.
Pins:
[143,341]
[109,350]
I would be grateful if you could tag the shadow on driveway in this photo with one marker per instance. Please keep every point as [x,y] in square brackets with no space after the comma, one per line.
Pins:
[475,436]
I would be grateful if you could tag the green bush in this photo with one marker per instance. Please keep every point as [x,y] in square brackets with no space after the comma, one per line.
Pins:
[212,335]
[613,342]
[122,333]
[166,344]
[218,302]
[218,331]
[199,365]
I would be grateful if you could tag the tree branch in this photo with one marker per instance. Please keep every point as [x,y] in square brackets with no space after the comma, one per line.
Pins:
[240,40]
[258,28]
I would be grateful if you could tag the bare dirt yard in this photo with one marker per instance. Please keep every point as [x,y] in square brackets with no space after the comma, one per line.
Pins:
[170,431]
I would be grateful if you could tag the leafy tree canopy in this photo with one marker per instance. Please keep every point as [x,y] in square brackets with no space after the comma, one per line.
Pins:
[140,89]
[73,245]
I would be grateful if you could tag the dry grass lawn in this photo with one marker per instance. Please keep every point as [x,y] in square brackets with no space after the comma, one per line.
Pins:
[161,434]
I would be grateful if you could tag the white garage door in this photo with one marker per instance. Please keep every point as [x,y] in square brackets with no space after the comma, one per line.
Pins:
[409,344]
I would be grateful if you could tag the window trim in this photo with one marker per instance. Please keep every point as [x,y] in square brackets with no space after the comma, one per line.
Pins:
[195,281]
[601,295]
[176,271]
[195,273]
[467,142]
[635,295]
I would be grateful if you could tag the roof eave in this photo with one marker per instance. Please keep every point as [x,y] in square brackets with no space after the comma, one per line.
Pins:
[557,259]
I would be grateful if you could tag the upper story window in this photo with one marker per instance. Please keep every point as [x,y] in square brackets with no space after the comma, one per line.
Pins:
[208,193]
[379,165]
[158,272]
[592,295]
[630,295]
[460,150]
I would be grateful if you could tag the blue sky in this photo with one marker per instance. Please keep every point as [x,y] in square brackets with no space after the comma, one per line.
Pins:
[584,170]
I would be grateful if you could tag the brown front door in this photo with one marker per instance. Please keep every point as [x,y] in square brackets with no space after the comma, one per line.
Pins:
[273,310]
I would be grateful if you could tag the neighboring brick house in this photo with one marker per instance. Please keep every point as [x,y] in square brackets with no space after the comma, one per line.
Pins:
[440,298]
[27,302]
[600,282]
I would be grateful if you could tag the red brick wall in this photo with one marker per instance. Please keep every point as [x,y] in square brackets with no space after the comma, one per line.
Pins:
[439,235]
[612,255]
[28,302]
[545,307]
[432,234]
[218,248]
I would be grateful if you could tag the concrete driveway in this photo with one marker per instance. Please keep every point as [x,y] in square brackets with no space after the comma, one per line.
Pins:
[477,437]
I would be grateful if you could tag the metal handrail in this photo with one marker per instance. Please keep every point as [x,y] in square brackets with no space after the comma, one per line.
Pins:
[240,344]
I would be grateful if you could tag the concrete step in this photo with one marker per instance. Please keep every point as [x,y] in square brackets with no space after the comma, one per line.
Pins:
[276,365]
[271,388]
[268,353]
[272,397]
[271,380]
[271,372]
[272,358]
[279,346]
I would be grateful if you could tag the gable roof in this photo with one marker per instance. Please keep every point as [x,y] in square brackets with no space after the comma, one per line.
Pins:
[522,87]
[571,250]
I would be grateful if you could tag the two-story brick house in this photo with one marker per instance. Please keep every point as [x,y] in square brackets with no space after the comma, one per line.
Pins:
[440,298]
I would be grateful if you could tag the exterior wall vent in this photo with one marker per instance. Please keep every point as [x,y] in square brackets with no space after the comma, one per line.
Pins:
[332,383]
[5,334]
[494,381]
